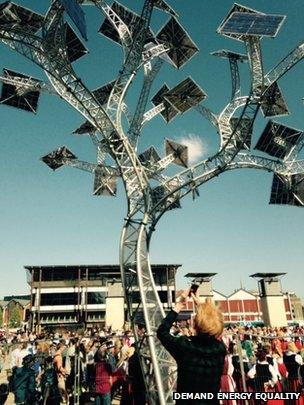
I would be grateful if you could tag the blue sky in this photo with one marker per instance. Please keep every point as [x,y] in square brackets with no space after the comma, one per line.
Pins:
[52,218]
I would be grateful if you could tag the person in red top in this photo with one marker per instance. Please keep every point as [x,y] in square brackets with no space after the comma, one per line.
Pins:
[104,369]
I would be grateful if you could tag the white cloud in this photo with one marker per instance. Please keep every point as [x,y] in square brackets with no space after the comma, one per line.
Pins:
[195,147]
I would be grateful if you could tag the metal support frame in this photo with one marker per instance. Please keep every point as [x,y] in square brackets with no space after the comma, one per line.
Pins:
[48,50]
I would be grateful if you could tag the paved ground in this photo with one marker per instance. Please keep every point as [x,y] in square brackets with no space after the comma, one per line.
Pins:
[3,380]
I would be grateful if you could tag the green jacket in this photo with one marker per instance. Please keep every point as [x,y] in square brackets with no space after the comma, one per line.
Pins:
[24,387]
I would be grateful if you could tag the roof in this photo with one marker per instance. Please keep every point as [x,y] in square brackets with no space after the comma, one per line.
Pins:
[241,293]
[267,275]
[104,267]
[200,275]
[218,296]
[21,302]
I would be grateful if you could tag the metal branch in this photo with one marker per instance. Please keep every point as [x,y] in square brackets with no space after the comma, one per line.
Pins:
[290,60]
[138,118]
[256,65]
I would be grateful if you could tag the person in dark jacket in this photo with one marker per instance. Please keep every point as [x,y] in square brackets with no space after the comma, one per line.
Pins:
[200,358]
[24,387]
[49,384]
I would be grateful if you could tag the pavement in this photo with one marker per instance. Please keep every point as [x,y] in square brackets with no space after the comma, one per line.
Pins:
[3,380]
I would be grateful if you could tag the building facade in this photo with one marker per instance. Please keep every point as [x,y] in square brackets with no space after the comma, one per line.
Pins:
[15,311]
[245,306]
[87,295]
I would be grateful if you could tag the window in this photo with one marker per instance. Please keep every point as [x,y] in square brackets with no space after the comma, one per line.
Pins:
[58,299]
[59,274]
[96,298]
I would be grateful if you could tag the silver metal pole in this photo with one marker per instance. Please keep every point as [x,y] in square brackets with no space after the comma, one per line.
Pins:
[239,349]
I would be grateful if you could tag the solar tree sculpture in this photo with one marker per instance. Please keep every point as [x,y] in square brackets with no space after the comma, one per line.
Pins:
[52,44]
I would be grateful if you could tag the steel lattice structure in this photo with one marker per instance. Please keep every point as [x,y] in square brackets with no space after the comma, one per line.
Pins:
[50,44]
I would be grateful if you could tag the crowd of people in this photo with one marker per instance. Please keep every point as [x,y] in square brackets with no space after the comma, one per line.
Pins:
[237,359]
[95,366]
[59,368]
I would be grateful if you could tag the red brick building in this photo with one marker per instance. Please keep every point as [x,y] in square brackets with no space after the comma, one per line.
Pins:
[10,306]
[244,306]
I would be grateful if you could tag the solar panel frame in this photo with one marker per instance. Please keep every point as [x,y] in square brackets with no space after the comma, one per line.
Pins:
[149,156]
[182,47]
[29,20]
[287,190]
[27,102]
[185,95]
[298,188]
[236,8]
[244,138]
[129,18]
[55,159]
[273,103]
[162,5]
[77,15]
[102,93]
[277,140]
[104,184]
[159,192]
[251,24]
[84,128]
[75,48]
[169,112]
[179,151]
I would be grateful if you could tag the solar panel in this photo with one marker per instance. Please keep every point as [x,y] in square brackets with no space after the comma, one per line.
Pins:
[244,132]
[149,157]
[179,151]
[11,13]
[162,5]
[56,158]
[182,48]
[158,193]
[10,94]
[169,112]
[250,24]
[273,103]
[104,184]
[129,18]
[236,8]
[224,53]
[77,15]
[287,190]
[102,94]
[75,47]
[185,95]
[277,140]
[84,128]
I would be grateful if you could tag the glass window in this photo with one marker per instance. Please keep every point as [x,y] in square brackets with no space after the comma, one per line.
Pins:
[96,298]
[58,299]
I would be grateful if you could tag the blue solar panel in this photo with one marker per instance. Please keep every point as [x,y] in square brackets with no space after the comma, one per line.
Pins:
[253,24]
[76,13]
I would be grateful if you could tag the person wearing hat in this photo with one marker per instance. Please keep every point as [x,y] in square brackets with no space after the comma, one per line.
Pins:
[24,387]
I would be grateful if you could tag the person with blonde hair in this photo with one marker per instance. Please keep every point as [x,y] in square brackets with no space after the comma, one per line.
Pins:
[200,358]
[292,361]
